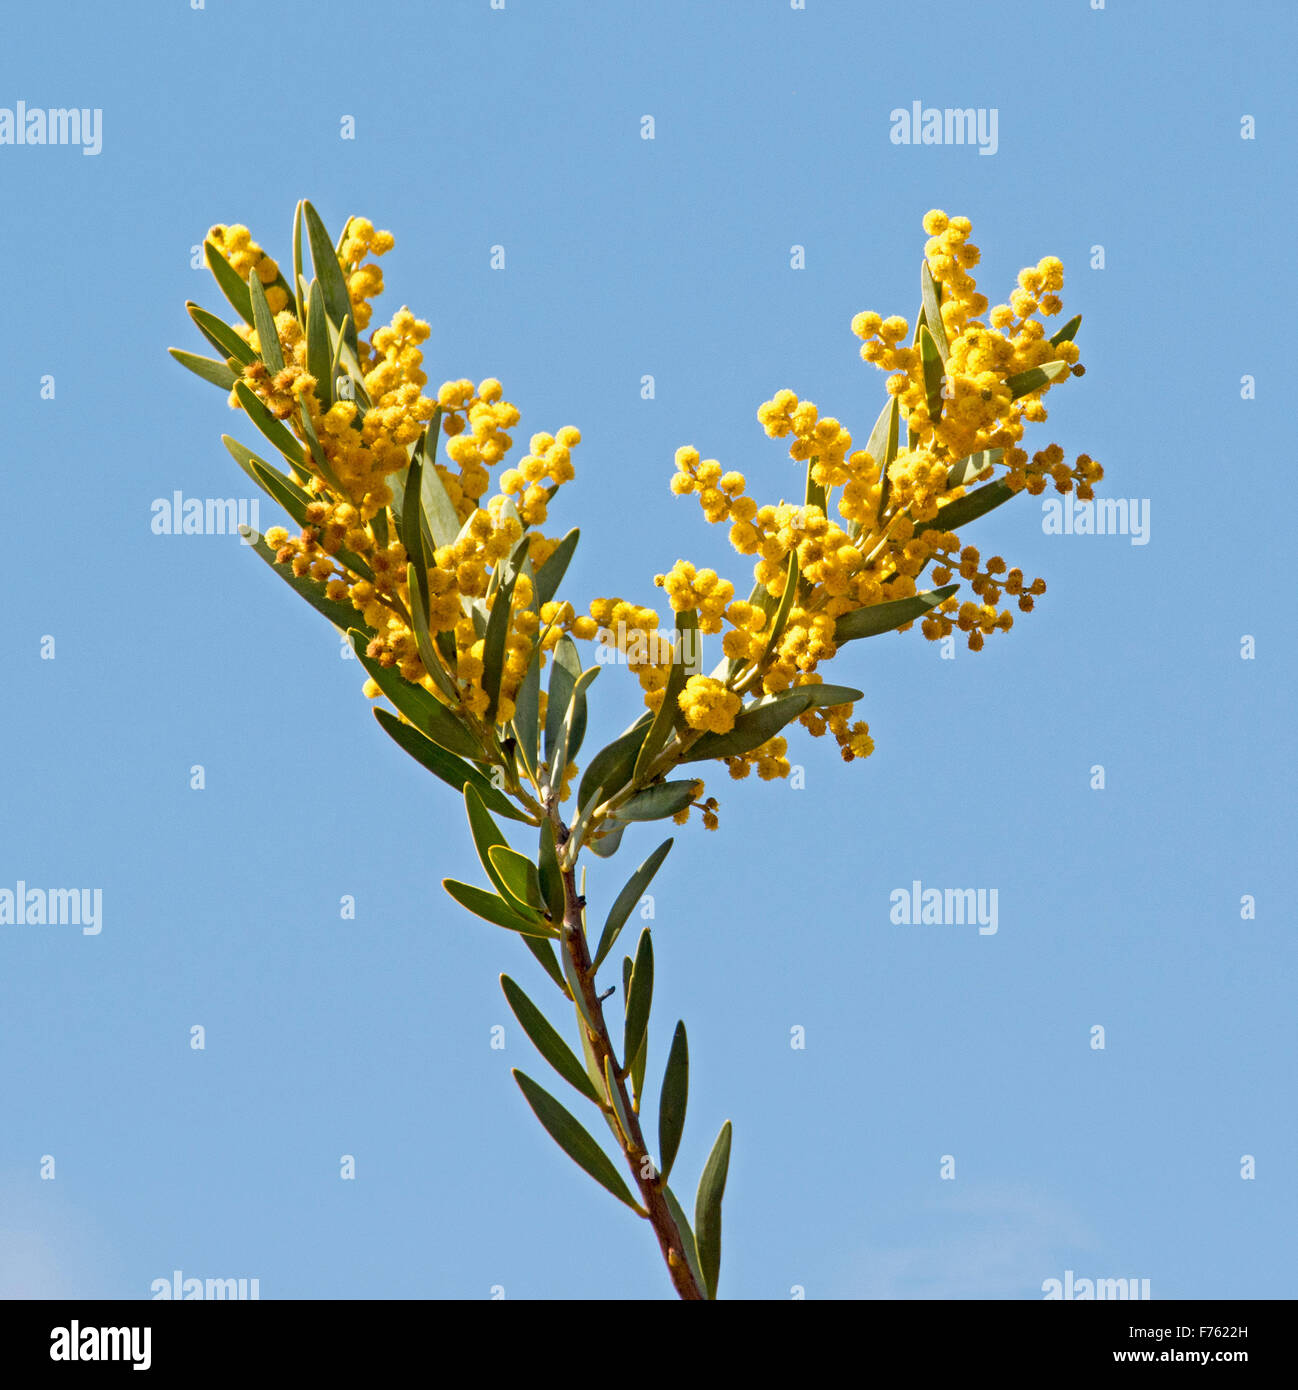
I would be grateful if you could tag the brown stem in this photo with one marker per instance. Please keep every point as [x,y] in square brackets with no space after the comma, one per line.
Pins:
[651,1188]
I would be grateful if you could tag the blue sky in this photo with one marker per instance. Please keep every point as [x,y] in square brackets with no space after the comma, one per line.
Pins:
[1119,907]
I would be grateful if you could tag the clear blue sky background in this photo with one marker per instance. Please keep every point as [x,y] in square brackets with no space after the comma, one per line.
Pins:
[371,1037]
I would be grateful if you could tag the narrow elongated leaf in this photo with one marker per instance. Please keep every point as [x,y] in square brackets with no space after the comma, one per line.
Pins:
[329,273]
[550,874]
[611,767]
[429,649]
[669,712]
[297,263]
[342,615]
[547,1041]
[222,337]
[455,772]
[319,358]
[279,488]
[424,711]
[672,1101]
[967,468]
[585,1015]
[548,961]
[931,361]
[930,291]
[762,720]
[787,598]
[439,512]
[494,909]
[412,527]
[567,1132]
[564,673]
[606,846]
[1068,332]
[486,837]
[639,998]
[707,1209]
[227,279]
[627,899]
[264,322]
[886,617]
[274,431]
[690,1252]
[573,728]
[663,799]
[320,461]
[527,705]
[614,1093]
[209,368]
[521,880]
[493,647]
[969,507]
[882,448]
[550,575]
[1035,378]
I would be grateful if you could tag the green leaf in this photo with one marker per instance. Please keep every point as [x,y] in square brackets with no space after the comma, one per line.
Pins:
[493,647]
[611,767]
[455,772]
[550,575]
[486,836]
[518,874]
[274,431]
[329,273]
[1022,383]
[547,1041]
[687,1235]
[762,720]
[297,263]
[607,845]
[551,876]
[882,448]
[931,291]
[568,1133]
[627,899]
[272,482]
[442,518]
[222,337]
[707,1210]
[639,997]
[322,466]
[209,368]
[527,704]
[790,593]
[672,1101]
[231,286]
[494,909]
[615,1099]
[968,508]
[824,695]
[565,670]
[1068,332]
[573,729]
[886,617]
[264,322]
[319,358]
[342,615]
[428,652]
[669,714]
[412,527]
[424,710]
[969,467]
[578,997]
[931,360]
[548,961]
[653,803]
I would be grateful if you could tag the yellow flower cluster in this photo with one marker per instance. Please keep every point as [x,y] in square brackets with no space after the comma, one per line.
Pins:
[235,243]
[701,590]
[709,705]
[349,544]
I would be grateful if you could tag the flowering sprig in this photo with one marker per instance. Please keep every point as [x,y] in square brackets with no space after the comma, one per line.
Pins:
[447,593]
